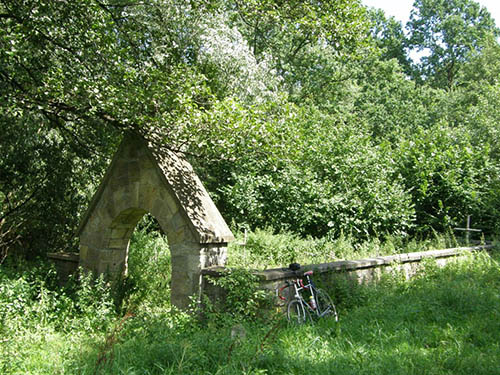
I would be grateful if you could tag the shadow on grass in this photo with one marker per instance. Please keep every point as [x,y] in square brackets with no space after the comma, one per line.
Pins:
[445,321]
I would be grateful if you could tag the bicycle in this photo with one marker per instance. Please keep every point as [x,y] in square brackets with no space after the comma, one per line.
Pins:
[319,303]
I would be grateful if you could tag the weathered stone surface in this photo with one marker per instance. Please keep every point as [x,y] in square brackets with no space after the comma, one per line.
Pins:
[213,255]
[142,178]
[66,264]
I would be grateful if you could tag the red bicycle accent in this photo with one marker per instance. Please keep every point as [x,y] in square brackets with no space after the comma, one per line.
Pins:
[281,289]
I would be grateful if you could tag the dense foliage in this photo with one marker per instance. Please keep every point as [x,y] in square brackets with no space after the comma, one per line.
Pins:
[304,116]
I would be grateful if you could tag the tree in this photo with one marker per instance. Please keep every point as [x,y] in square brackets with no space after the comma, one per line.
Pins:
[303,40]
[73,76]
[483,66]
[447,31]
[390,38]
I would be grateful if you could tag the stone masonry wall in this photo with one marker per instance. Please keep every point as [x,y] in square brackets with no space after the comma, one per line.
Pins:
[361,271]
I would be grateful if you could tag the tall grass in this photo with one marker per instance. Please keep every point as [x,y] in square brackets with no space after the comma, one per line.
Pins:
[264,249]
[149,271]
[442,321]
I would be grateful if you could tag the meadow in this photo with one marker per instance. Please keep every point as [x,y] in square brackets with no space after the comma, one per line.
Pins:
[443,321]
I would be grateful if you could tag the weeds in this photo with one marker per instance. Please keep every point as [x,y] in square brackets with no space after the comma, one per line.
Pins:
[243,299]
[106,353]
[444,320]
[264,249]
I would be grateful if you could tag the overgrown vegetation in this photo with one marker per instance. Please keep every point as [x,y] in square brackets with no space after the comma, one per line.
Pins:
[301,116]
[442,321]
[263,249]
[306,118]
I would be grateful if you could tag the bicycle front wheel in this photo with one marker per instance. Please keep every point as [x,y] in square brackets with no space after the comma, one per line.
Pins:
[325,306]
[297,313]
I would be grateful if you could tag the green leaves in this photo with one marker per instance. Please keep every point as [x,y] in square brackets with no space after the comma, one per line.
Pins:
[302,38]
[310,174]
[291,113]
[243,298]
[389,37]
[448,31]
[446,174]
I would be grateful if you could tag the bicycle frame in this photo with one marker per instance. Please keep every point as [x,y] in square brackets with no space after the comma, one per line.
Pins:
[299,287]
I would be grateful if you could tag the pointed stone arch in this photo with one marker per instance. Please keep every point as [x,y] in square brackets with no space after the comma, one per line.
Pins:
[142,179]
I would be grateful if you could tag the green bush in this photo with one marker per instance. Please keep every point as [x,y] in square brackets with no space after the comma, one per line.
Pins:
[333,178]
[30,297]
[447,177]
[242,300]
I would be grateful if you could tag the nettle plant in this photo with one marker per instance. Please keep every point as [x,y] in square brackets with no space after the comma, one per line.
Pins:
[243,298]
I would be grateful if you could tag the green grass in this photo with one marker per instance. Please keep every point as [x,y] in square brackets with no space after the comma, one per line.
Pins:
[444,321]
[263,249]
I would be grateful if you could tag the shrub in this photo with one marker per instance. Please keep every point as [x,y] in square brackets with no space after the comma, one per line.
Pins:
[30,297]
[446,175]
[243,299]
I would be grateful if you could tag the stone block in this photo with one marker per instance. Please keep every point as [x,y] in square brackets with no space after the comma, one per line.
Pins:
[150,175]
[66,265]
[184,283]
[178,221]
[147,194]
[213,255]
[120,233]
[120,243]
[83,251]
[109,211]
[145,164]
[177,236]
[172,202]
[105,256]
[133,171]
[185,249]
[91,260]
[92,238]
[118,182]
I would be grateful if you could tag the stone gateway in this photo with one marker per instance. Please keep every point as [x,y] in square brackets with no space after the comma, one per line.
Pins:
[144,179]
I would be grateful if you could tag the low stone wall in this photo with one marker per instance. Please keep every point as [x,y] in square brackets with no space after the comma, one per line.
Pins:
[361,271]
[66,264]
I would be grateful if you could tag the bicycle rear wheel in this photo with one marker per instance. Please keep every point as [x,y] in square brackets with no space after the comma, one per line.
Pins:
[325,305]
[297,313]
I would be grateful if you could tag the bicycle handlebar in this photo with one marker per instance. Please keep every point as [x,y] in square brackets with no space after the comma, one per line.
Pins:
[287,284]
[298,281]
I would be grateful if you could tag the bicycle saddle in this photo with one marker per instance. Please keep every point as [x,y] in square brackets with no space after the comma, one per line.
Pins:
[294,266]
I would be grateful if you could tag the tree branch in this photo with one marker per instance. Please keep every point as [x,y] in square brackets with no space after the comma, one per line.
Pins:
[12,210]
[117,24]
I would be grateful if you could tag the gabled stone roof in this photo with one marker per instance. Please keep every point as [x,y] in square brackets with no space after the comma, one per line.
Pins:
[178,176]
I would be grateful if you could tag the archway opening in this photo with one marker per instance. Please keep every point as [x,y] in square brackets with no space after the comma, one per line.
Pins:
[149,272]
[139,180]
[146,272]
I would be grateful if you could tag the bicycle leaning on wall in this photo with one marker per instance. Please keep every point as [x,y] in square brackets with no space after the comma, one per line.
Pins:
[308,301]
